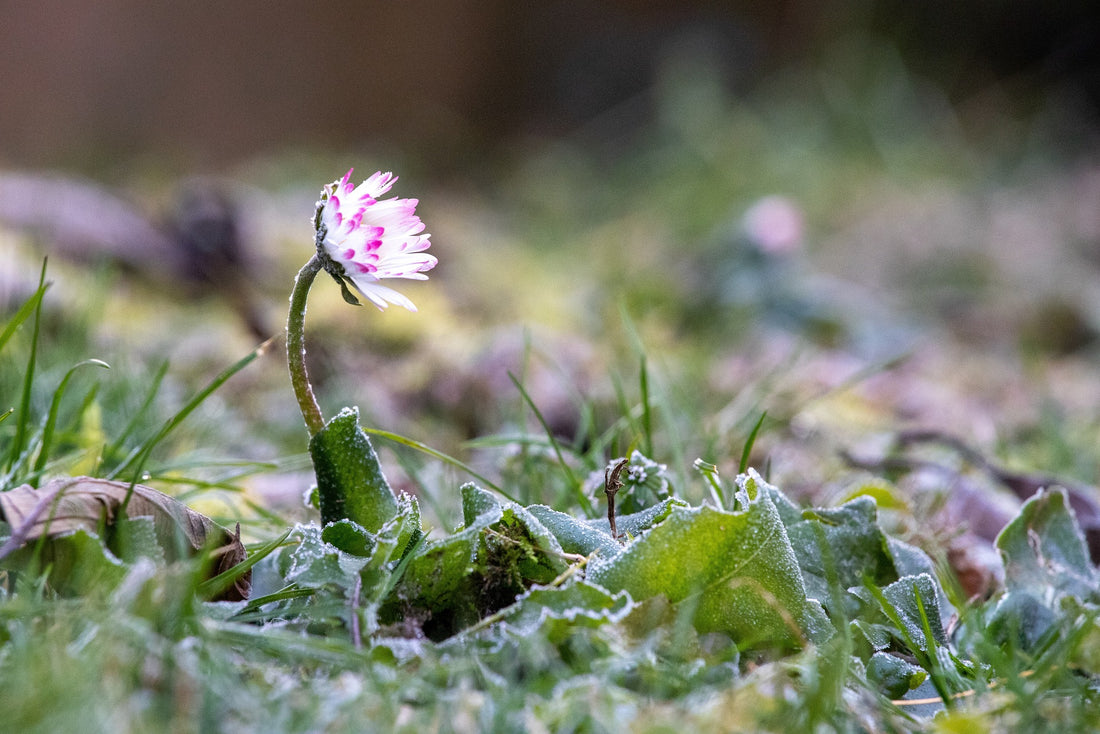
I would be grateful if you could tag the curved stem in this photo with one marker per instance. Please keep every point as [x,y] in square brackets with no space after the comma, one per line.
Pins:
[296,348]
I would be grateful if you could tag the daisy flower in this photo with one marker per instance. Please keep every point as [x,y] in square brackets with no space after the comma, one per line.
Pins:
[362,239]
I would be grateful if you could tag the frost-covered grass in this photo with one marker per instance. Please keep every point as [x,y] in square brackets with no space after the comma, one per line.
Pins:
[596,310]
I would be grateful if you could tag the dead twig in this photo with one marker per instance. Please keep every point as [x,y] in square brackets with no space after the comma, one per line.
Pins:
[612,484]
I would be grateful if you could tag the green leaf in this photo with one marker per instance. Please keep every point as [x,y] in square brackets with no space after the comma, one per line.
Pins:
[636,523]
[392,545]
[912,604]
[910,560]
[1047,565]
[1043,548]
[350,537]
[349,297]
[873,636]
[349,477]
[339,552]
[314,563]
[580,603]
[893,675]
[1021,620]
[454,582]
[857,546]
[476,502]
[585,537]
[435,594]
[133,538]
[855,550]
[77,564]
[544,550]
[737,570]
[576,536]
[399,535]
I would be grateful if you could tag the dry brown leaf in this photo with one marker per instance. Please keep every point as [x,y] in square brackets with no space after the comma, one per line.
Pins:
[64,506]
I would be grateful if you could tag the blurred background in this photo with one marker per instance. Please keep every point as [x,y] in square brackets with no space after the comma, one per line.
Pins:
[203,85]
[856,214]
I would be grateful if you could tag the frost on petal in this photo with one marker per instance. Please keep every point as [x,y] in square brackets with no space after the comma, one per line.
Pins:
[345,184]
[378,184]
[380,295]
[367,239]
[406,265]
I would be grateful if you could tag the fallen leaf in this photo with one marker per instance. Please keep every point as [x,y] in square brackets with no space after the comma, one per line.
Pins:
[64,506]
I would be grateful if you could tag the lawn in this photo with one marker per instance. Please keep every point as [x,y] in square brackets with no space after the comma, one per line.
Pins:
[830,351]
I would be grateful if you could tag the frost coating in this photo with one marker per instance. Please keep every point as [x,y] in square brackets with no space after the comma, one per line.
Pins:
[737,569]
[580,603]
[362,239]
[350,482]
[315,563]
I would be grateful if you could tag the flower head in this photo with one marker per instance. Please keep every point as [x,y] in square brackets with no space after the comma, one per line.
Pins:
[362,239]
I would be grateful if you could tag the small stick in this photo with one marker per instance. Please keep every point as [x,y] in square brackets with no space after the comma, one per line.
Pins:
[611,485]
[356,634]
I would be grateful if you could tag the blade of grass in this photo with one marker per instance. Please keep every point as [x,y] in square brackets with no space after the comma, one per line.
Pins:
[45,443]
[426,496]
[413,444]
[78,427]
[496,441]
[749,443]
[23,424]
[620,424]
[574,483]
[627,417]
[674,422]
[135,462]
[13,476]
[710,473]
[592,458]
[150,394]
[263,513]
[29,306]
[228,482]
[252,613]
[924,658]
[286,645]
[399,571]
[214,586]
[647,411]
[948,677]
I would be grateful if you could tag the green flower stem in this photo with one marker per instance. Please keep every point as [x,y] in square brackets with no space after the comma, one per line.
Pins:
[296,348]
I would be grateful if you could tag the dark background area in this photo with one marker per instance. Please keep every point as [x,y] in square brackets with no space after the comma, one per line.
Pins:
[199,85]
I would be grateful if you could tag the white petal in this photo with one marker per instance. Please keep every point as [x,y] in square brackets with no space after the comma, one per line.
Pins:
[379,294]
